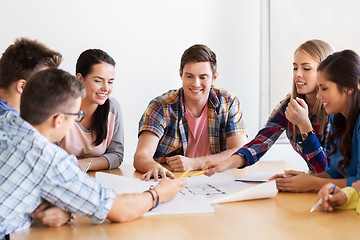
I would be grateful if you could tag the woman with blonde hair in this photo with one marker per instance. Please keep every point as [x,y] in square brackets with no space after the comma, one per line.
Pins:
[339,92]
[300,114]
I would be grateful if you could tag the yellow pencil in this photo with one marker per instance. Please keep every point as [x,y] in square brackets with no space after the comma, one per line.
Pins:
[183,175]
[198,173]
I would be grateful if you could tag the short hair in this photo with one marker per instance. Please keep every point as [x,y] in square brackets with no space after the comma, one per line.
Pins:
[47,92]
[199,53]
[23,58]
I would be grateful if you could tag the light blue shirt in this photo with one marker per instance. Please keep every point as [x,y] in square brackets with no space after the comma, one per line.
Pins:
[4,107]
[32,170]
[353,170]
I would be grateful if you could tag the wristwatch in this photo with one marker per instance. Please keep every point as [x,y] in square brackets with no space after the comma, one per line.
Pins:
[306,135]
[72,217]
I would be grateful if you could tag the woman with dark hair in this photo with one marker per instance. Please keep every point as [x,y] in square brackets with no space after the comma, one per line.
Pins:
[99,138]
[339,91]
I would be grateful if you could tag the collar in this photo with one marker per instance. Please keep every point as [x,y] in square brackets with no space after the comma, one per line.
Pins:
[213,99]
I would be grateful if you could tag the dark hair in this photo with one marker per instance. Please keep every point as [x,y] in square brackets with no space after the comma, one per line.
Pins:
[199,53]
[343,68]
[48,92]
[21,59]
[84,66]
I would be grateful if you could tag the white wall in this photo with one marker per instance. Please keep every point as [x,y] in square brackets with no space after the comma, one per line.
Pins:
[147,39]
[293,22]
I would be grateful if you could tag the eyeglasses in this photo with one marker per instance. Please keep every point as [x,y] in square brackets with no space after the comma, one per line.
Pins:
[79,116]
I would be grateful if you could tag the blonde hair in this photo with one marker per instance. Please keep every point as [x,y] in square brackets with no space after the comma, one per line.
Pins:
[317,50]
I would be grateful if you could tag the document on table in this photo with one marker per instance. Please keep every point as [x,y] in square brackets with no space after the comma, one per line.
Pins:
[222,187]
[181,204]
[257,177]
[197,195]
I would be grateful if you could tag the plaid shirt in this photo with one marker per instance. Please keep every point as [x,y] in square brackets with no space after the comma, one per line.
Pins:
[313,149]
[165,116]
[32,170]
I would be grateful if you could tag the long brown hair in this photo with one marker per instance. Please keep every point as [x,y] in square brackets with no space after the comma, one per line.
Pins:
[84,66]
[318,50]
[343,68]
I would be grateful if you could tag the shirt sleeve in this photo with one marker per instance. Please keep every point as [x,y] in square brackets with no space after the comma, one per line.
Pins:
[314,153]
[235,124]
[153,119]
[67,187]
[115,152]
[352,196]
[265,138]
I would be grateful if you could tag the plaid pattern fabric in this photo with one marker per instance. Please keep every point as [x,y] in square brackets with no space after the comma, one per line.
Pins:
[313,150]
[165,116]
[32,170]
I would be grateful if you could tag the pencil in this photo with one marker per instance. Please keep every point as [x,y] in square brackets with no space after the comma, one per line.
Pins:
[198,173]
[183,175]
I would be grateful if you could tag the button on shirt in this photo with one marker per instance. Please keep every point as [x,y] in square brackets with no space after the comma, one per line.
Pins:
[32,170]
[165,116]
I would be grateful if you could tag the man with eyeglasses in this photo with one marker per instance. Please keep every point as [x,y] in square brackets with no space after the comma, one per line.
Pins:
[33,169]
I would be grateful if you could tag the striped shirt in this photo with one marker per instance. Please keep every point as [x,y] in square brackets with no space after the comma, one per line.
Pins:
[166,117]
[32,170]
[313,150]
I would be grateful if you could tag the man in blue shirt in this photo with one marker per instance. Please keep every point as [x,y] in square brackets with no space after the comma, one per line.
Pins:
[34,170]
[19,61]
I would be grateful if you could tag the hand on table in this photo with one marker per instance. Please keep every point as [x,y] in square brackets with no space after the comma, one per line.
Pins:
[294,181]
[180,163]
[168,189]
[331,198]
[156,171]
[50,215]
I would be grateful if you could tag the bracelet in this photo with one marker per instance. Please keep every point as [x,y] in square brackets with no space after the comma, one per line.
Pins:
[157,198]
[153,198]
[72,217]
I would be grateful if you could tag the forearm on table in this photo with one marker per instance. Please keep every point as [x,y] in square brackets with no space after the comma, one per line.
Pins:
[217,157]
[97,163]
[324,178]
[143,163]
[127,207]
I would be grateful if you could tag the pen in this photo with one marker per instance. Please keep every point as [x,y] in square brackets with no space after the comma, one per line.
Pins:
[186,172]
[87,167]
[321,200]
[198,173]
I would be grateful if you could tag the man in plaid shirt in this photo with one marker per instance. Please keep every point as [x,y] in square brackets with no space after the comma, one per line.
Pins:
[191,125]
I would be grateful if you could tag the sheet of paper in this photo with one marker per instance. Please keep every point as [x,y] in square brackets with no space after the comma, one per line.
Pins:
[257,177]
[199,192]
[222,187]
[214,187]
[258,191]
[181,204]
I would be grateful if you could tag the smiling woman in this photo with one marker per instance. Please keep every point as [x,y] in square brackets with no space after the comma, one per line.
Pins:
[99,138]
[301,115]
